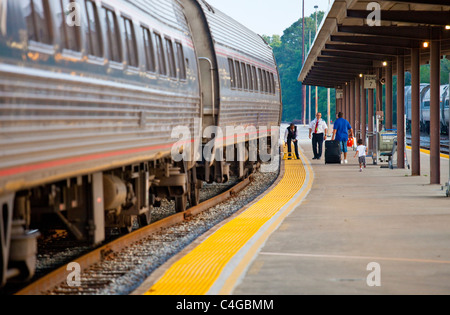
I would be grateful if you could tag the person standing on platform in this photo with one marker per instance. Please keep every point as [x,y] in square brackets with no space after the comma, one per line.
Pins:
[341,134]
[291,136]
[318,133]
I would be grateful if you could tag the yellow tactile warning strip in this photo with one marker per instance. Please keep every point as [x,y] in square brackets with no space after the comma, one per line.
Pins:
[197,272]
[444,156]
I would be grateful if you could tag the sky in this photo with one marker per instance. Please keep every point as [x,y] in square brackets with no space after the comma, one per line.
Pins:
[268,17]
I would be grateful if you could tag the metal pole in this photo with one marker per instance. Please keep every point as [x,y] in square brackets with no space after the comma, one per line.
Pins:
[352,104]
[370,101]
[389,97]
[329,111]
[448,183]
[310,101]
[317,89]
[400,111]
[347,101]
[435,124]
[310,95]
[303,61]
[363,111]
[379,101]
[415,111]
[357,107]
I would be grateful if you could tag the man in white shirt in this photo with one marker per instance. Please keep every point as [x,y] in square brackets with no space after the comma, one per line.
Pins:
[291,136]
[318,132]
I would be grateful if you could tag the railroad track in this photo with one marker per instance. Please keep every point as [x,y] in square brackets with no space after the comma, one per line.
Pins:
[425,144]
[106,265]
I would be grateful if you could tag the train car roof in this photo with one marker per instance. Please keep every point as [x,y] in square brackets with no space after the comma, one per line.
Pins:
[163,10]
[231,34]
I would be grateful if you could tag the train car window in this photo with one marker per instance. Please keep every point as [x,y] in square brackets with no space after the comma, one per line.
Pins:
[270,80]
[274,87]
[171,58]
[238,74]
[261,81]
[181,61]
[232,73]
[426,104]
[446,103]
[244,75]
[255,77]
[70,35]
[250,77]
[161,57]
[131,45]
[269,86]
[115,51]
[149,50]
[93,33]
[39,22]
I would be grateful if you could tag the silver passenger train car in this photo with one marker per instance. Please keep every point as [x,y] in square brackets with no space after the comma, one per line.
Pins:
[90,92]
[444,110]
[425,108]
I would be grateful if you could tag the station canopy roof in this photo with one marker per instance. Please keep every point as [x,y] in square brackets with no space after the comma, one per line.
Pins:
[354,39]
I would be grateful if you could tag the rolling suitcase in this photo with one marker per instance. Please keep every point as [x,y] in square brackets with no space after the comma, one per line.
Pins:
[332,152]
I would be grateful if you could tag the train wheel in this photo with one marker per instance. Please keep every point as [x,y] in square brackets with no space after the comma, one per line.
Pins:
[195,188]
[181,203]
[126,230]
[6,214]
[145,219]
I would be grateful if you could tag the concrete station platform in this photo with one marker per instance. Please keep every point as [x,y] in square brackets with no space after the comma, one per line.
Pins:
[351,219]
[337,221]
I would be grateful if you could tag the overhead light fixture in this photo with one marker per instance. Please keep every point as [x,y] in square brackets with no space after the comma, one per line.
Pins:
[447,27]
[426,44]
[385,63]
[361,75]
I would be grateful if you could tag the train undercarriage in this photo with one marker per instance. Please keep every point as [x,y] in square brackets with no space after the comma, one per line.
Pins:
[93,206]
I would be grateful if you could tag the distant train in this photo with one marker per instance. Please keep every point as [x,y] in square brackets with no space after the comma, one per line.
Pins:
[87,112]
[425,108]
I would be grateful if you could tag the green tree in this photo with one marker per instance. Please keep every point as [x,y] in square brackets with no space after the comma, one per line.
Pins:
[288,54]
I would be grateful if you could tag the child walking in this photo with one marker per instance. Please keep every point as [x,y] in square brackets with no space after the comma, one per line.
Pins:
[361,152]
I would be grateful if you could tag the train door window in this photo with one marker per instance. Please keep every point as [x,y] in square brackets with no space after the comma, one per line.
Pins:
[261,80]
[114,42]
[39,22]
[255,77]
[426,104]
[238,74]
[130,41]
[244,76]
[70,35]
[274,87]
[269,85]
[232,73]
[93,33]
[270,80]
[446,103]
[171,58]
[181,61]
[149,50]
[160,53]
[264,81]
[250,77]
